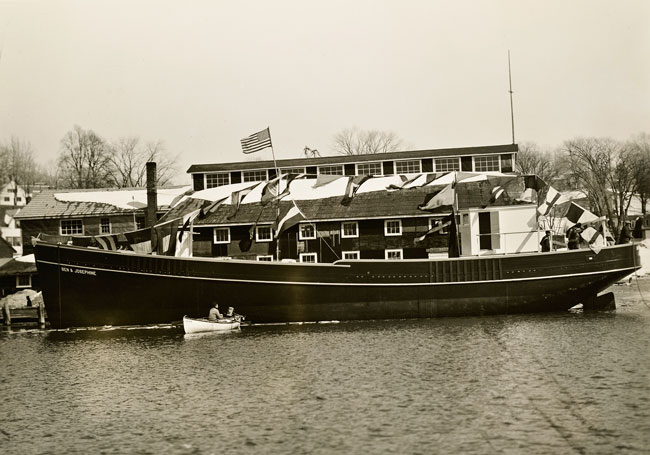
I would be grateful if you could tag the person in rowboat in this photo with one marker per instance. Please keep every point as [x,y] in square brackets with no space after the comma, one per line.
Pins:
[232,315]
[214,314]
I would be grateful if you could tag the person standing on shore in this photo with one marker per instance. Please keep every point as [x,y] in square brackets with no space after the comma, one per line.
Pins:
[546,242]
[573,236]
[638,228]
[626,234]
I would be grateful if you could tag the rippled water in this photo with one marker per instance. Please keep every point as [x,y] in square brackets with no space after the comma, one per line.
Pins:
[552,383]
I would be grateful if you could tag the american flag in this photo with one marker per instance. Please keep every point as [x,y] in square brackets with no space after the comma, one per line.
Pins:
[256,142]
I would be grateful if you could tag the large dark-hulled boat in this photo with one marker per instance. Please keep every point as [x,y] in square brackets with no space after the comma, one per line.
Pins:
[496,267]
[86,287]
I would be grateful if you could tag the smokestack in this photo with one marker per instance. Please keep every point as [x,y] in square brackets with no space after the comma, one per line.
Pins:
[152,197]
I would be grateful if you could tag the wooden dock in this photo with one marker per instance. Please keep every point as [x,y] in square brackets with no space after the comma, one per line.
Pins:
[34,315]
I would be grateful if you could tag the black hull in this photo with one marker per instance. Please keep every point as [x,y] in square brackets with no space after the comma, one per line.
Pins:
[87,287]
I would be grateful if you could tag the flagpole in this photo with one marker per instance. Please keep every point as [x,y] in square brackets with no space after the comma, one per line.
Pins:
[454,210]
[191,234]
[512,115]
[275,163]
[278,176]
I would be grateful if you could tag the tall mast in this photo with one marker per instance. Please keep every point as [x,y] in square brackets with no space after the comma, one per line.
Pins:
[512,115]
[279,177]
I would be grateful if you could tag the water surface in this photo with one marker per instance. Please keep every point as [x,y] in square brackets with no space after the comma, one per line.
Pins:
[552,383]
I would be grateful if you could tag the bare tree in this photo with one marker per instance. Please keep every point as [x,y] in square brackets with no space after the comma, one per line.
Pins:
[640,150]
[17,162]
[84,161]
[166,165]
[129,159]
[532,160]
[603,168]
[353,141]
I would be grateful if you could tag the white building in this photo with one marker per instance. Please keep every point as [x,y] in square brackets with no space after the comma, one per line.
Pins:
[12,198]
[12,195]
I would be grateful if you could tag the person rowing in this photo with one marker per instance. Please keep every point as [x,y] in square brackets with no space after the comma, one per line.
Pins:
[214,315]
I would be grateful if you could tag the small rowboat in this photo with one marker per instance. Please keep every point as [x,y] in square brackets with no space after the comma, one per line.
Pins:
[191,325]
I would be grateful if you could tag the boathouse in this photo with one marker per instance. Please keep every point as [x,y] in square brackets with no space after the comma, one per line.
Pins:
[15,273]
[86,213]
[377,223]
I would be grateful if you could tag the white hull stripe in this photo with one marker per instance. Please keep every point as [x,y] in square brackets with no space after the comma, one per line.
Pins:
[312,283]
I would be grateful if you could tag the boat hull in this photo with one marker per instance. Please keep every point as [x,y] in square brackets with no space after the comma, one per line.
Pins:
[191,325]
[86,287]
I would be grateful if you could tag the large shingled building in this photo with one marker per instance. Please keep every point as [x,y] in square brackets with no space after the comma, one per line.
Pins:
[373,225]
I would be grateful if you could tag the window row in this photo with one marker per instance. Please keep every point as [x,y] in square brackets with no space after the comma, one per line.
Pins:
[76,227]
[221,235]
[482,163]
[307,231]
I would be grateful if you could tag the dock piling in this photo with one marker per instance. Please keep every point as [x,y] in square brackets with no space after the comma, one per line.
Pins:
[41,315]
[6,313]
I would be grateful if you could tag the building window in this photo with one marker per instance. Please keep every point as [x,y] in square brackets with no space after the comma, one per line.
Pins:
[487,163]
[308,257]
[217,179]
[407,167]
[464,219]
[221,235]
[72,227]
[104,225]
[263,234]
[254,176]
[19,199]
[392,227]
[23,281]
[447,164]
[330,170]
[351,255]
[506,163]
[349,229]
[7,198]
[292,171]
[139,222]
[393,254]
[265,258]
[369,169]
[306,231]
[435,222]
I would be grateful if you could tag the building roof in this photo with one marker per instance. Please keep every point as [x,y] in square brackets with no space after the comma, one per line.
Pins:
[378,204]
[6,213]
[6,250]
[342,159]
[371,205]
[84,203]
[15,267]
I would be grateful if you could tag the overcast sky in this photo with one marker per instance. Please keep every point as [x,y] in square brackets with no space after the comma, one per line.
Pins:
[200,75]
